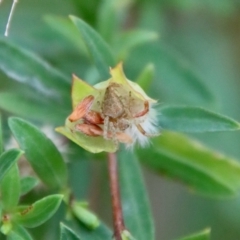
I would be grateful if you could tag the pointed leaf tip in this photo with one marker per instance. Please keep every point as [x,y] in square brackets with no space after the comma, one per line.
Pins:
[40,151]
[97,47]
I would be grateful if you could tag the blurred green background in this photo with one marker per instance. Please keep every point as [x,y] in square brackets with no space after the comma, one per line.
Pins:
[204,36]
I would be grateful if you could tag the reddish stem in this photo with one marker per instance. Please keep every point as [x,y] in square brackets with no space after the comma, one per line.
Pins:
[118,221]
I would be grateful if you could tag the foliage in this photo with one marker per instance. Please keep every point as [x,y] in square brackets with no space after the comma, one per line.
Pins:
[37,180]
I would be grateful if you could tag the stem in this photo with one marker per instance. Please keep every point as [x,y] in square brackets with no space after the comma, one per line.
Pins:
[118,221]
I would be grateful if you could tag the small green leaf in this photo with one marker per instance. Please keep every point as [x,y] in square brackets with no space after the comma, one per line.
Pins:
[206,172]
[97,47]
[42,154]
[7,159]
[19,233]
[67,233]
[146,77]
[1,138]
[27,184]
[137,214]
[100,233]
[6,227]
[10,189]
[195,119]
[34,72]
[39,212]
[203,235]
[84,215]
[131,39]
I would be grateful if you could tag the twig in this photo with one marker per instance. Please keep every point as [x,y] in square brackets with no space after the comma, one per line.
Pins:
[118,221]
[10,17]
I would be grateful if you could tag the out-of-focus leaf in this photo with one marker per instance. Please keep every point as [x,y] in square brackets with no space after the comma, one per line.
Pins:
[107,11]
[111,10]
[19,233]
[39,212]
[203,235]
[84,215]
[6,227]
[97,47]
[206,172]
[135,203]
[179,75]
[27,184]
[223,8]
[145,78]
[34,72]
[7,159]
[195,119]
[65,27]
[129,40]
[1,137]
[32,107]
[10,189]
[100,233]
[67,233]
[42,154]
[177,81]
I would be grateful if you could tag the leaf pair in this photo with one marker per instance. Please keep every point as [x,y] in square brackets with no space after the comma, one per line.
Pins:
[33,216]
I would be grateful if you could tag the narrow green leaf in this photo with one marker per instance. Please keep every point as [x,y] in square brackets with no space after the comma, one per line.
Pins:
[7,159]
[1,138]
[32,107]
[206,172]
[179,76]
[39,212]
[33,71]
[65,27]
[177,81]
[67,233]
[42,154]
[97,47]
[195,119]
[131,39]
[145,78]
[203,235]
[10,189]
[19,233]
[137,214]
[27,184]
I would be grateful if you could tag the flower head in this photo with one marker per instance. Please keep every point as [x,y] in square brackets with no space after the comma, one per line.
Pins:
[111,112]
